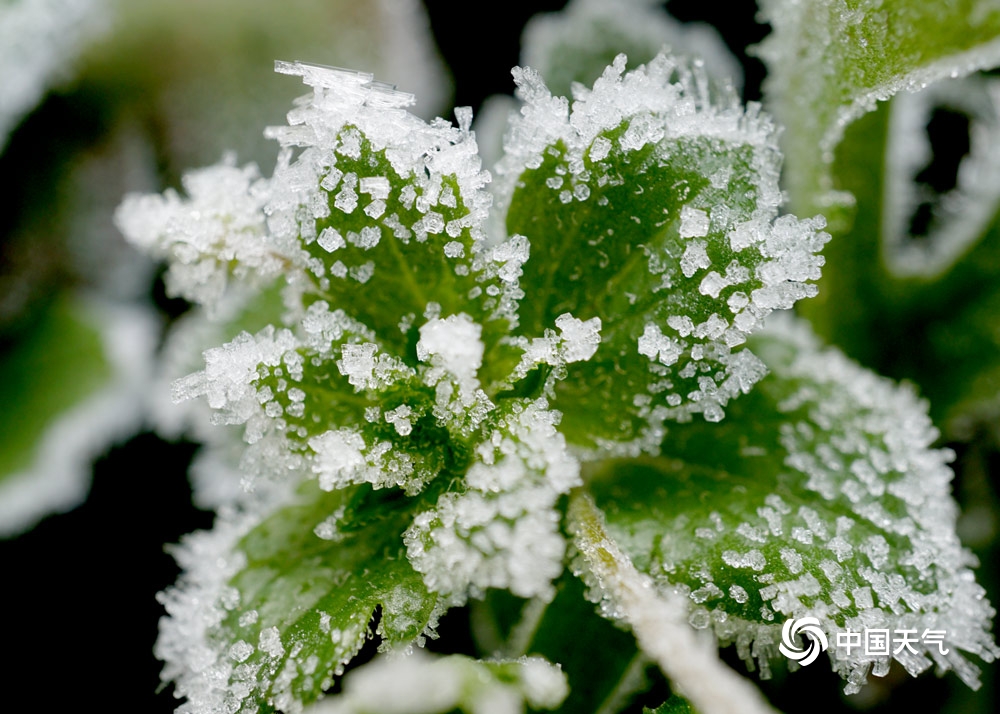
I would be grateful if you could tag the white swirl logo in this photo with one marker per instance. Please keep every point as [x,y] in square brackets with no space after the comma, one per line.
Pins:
[808,626]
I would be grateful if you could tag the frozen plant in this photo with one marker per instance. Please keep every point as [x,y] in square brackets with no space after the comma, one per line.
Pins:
[575,375]
[139,92]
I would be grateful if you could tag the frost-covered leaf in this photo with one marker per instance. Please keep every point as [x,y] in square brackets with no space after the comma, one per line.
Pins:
[654,210]
[830,61]
[397,211]
[656,617]
[218,229]
[71,383]
[576,44]
[819,496]
[335,406]
[270,608]
[379,214]
[420,684]
[920,266]
[267,609]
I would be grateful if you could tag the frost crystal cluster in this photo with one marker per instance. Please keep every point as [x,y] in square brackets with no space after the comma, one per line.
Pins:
[451,384]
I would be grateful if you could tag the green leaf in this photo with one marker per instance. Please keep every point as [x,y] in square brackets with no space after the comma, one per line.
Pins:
[71,383]
[817,496]
[285,601]
[920,266]
[57,364]
[829,62]
[655,211]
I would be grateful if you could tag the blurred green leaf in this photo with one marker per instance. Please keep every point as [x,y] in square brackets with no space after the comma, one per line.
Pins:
[57,363]
[830,61]
[576,44]
[912,289]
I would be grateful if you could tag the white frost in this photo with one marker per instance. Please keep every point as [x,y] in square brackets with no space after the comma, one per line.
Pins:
[694,223]
[504,531]
[454,344]
[421,684]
